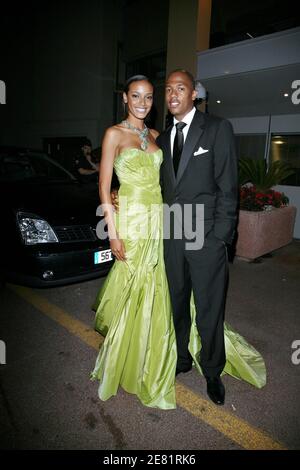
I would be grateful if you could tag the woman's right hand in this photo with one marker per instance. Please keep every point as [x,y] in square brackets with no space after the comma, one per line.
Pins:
[118,249]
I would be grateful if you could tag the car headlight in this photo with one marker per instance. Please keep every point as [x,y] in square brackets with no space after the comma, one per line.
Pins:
[35,230]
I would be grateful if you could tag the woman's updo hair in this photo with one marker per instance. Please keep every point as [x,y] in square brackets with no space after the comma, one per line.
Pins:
[136,78]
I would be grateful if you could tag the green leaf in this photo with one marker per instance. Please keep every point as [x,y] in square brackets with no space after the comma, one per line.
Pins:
[261,176]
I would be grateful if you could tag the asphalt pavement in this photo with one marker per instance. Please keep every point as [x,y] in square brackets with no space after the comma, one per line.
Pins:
[47,400]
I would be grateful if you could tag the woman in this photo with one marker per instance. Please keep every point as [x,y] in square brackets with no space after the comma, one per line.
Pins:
[133,309]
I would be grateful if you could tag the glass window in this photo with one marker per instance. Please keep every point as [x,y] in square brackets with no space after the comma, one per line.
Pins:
[251,146]
[286,147]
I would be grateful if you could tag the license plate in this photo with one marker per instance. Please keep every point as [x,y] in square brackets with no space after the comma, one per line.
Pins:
[102,256]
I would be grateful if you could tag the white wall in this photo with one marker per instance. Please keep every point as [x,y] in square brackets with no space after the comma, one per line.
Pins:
[251,54]
[250,125]
[288,123]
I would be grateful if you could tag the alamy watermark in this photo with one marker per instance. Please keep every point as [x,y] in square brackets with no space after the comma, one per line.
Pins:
[2,352]
[296,94]
[295,357]
[2,92]
[178,222]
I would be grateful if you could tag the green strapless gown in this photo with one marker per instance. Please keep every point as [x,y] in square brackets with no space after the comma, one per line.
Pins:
[133,309]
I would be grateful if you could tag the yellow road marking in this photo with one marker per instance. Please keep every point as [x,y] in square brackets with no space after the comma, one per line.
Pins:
[76,327]
[231,426]
[234,428]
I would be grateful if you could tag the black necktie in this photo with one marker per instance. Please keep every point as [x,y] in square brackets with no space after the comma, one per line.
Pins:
[178,145]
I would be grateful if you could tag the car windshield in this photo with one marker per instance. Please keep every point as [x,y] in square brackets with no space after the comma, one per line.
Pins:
[32,167]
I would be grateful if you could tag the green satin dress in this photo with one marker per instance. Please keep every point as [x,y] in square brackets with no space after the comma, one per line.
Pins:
[133,309]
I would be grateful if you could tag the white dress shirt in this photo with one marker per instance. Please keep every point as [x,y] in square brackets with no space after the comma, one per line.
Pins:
[187,119]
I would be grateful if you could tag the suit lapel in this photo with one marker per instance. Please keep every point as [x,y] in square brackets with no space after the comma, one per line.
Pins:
[194,134]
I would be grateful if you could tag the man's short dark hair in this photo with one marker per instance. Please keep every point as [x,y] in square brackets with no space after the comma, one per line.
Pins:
[86,142]
[187,73]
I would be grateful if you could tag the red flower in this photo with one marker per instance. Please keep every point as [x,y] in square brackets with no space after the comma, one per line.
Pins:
[253,200]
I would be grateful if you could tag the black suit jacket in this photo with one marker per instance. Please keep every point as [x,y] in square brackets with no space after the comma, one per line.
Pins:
[209,178]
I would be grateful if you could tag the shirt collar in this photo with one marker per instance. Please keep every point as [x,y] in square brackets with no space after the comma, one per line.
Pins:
[187,118]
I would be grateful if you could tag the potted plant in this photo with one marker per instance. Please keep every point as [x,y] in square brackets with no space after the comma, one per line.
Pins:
[266,220]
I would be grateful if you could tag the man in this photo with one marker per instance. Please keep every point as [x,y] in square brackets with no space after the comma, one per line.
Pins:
[87,168]
[199,167]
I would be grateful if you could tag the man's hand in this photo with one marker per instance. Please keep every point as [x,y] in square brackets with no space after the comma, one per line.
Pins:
[118,249]
[94,165]
[115,199]
[84,171]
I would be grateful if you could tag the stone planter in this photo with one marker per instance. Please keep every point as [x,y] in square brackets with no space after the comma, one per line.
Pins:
[260,233]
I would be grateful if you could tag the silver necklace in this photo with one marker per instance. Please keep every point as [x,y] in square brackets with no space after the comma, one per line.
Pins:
[143,134]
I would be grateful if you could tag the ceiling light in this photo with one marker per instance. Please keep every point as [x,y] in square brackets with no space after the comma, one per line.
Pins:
[218,101]
[278,142]
[286,95]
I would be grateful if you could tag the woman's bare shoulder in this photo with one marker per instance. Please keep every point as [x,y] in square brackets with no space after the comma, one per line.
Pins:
[113,131]
[113,134]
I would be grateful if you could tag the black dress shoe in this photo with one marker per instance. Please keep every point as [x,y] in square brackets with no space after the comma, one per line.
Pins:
[215,390]
[180,370]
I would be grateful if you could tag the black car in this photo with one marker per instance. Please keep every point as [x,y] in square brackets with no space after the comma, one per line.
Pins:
[48,230]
